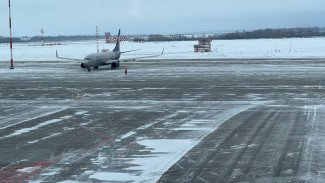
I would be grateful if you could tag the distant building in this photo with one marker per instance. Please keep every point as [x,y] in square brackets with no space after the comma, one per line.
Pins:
[105,50]
[203,46]
[110,39]
[139,40]
[25,39]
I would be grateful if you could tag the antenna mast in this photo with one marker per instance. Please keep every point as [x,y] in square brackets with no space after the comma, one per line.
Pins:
[11,58]
[42,36]
[97,38]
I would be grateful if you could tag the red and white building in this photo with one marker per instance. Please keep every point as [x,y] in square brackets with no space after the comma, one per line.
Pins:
[203,46]
[110,39]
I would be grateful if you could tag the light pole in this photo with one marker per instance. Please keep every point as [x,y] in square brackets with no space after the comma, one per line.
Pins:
[11,59]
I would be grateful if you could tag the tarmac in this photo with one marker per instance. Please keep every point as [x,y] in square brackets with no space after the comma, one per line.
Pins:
[209,120]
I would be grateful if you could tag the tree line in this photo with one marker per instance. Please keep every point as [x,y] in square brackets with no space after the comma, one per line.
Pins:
[53,38]
[257,34]
[176,37]
[274,33]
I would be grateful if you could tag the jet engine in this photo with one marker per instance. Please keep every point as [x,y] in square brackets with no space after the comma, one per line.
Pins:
[82,65]
[113,65]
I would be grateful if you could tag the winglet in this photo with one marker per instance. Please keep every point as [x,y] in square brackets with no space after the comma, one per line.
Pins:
[57,56]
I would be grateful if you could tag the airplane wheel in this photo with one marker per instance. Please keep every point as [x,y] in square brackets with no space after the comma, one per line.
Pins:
[88,70]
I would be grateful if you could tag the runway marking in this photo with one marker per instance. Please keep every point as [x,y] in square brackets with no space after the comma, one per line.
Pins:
[12,174]
[76,96]
[93,131]
[97,146]
[121,152]
[108,139]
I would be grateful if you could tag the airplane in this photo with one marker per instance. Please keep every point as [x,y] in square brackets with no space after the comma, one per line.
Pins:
[104,58]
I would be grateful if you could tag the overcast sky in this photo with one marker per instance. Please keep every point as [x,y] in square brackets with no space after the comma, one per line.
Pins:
[80,17]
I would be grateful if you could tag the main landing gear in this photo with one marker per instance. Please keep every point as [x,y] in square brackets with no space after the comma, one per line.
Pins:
[95,68]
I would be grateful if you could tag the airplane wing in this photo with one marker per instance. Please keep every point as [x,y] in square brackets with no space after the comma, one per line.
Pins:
[65,58]
[149,56]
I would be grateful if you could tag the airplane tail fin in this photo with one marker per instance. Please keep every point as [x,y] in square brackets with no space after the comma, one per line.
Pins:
[117,47]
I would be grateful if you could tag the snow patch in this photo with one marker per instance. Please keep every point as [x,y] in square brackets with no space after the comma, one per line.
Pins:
[38,116]
[27,130]
[99,160]
[127,135]
[69,181]
[80,112]
[113,176]
[28,169]
[66,117]
[290,155]
[241,146]
[192,129]
[288,172]
[52,172]
[187,125]
[53,135]
[252,145]
[200,121]
[166,152]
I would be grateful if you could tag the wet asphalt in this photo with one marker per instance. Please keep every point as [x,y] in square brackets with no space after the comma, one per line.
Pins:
[241,120]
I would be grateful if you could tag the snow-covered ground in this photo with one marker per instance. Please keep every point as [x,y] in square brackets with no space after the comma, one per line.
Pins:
[255,48]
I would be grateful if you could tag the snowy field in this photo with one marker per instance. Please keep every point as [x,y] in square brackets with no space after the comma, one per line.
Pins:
[256,48]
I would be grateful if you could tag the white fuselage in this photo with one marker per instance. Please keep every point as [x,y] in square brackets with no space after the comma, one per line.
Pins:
[102,58]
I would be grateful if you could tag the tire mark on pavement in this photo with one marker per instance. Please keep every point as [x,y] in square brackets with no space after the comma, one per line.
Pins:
[225,175]
[294,144]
